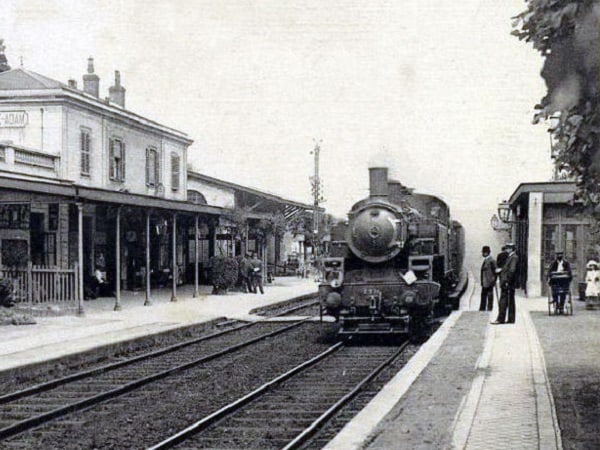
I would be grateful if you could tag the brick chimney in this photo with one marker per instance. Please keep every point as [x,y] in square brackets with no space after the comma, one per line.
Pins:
[116,93]
[91,81]
[3,62]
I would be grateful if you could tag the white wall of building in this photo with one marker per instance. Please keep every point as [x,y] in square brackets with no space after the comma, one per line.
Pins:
[534,244]
[102,129]
[40,131]
[215,195]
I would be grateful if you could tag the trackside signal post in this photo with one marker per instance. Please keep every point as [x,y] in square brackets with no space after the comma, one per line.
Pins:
[316,192]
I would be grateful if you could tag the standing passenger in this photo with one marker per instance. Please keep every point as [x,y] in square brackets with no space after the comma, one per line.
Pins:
[246,273]
[501,258]
[488,280]
[257,274]
[592,285]
[508,284]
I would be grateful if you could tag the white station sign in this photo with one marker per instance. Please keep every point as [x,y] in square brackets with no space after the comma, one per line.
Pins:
[13,119]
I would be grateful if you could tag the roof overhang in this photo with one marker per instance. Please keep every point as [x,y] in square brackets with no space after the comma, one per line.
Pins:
[553,191]
[73,193]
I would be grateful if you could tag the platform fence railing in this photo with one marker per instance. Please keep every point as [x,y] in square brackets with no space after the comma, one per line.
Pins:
[35,285]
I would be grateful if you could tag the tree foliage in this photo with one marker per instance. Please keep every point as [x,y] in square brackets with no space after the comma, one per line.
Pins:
[303,224]
[567,34]
[224,273]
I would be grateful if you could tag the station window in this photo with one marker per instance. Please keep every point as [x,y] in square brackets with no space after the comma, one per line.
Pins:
[116,159]
[152,167]
[85,152]
[175,170]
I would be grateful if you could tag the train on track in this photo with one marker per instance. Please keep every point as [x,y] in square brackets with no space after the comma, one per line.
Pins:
[395,264]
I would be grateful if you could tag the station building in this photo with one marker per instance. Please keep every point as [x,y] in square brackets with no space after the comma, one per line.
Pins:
[87,184]
[544,219]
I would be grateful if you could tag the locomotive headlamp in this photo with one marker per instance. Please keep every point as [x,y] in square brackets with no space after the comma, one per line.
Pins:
[409,298]
[334,300]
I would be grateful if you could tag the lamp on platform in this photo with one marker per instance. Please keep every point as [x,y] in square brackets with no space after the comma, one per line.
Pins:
[504,212]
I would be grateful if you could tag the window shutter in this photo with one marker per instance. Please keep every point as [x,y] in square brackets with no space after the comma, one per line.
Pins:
[123,159]
[148,156]
[111,159]
[82,152]
[174,172]
[88,152]
[156,168]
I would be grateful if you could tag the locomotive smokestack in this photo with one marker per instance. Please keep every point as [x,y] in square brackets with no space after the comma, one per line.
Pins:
[378,182]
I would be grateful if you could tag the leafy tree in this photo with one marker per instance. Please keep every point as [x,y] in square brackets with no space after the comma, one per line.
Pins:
[303,224]
[567,34]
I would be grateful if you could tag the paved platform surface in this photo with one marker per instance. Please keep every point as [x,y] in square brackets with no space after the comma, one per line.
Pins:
[472,386]
[53,337]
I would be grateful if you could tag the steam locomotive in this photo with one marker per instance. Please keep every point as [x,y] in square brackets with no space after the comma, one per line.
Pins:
[395,263]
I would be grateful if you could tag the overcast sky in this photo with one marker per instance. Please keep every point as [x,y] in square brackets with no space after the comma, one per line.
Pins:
[437,90]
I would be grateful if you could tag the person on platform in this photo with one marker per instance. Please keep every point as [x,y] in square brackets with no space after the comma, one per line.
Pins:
[257,280]
[508,285]
[559,277]
[501,259]
[592,285]
[246,273]
[488,280]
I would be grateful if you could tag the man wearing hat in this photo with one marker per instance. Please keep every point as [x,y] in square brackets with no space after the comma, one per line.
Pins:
[560,285]
[488,280]
[508,284]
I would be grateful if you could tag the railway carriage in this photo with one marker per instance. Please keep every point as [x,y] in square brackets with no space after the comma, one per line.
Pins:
[394,264]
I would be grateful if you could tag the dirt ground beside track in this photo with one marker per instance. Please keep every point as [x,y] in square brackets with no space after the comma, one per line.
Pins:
[571,347]
[424,417]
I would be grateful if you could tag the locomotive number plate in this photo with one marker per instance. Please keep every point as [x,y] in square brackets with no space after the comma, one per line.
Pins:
[371,291]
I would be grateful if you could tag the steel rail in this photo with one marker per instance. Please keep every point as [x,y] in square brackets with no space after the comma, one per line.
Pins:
[42,387]
[27,424]
[296,308]
[234,406]
[309,431]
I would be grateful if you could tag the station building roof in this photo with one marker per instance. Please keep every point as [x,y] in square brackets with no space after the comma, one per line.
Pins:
[553,191]
[22,85]
[250,190]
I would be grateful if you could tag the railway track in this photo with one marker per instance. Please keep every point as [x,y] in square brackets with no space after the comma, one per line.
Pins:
[28,408]
[287,411]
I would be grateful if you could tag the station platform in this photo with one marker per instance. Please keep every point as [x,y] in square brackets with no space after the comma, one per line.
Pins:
[55,337]
[473,385]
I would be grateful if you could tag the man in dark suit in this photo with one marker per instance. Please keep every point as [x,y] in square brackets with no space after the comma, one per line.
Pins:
[488,280]
[501,258]
[508,284]
[560,285]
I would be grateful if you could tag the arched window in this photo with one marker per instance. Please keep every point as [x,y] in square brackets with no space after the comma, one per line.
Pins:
[196,198]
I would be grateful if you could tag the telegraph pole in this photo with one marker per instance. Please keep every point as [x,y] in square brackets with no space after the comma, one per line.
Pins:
[316,191]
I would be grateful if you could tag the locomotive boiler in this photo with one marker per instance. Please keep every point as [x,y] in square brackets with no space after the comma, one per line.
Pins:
[394,263]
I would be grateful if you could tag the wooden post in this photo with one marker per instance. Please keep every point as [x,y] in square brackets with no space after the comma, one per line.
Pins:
[80,311]
[174,260]
[30,286]
[148,300]
[118,261]
[196,258]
